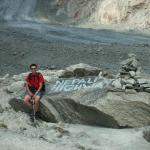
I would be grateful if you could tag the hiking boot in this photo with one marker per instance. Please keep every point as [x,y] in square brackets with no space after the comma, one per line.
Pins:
[37,115]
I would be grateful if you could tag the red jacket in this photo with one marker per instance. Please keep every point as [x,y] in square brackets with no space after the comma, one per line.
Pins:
[35,80]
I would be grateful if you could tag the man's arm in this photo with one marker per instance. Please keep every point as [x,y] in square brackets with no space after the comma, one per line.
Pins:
[28,90]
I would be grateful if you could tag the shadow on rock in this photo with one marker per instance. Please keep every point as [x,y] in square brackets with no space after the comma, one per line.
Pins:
[115,115]
[55,109]
[146,135]
[18,105]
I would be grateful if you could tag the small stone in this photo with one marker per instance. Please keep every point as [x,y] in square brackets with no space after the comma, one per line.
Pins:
[129,86]
[142,81]
[117,84]
[1,109]
[22,54]
[112,89]
[2,125]
[137,77]
[123,87]
[23,128]
[132,73]
[52,67]
[146,85]
[130,91]
[135,63]
[126,77]
[147,90]
[128,81]
[14,53]
[145,45]
[139,70]
[99,49]
[131,55]
[146,135]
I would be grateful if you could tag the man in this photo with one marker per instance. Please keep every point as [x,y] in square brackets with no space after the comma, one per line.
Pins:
[34,85]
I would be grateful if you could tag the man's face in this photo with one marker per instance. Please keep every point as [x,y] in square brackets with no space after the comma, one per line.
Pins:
[33,69]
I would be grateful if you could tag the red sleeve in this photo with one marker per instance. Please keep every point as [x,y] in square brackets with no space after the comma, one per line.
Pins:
[27,78]
[41,78]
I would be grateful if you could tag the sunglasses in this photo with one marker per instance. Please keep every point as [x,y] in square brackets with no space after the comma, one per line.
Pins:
[32,68]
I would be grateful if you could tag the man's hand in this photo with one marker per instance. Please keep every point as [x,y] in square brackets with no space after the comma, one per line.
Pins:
[34,96]
[31,94]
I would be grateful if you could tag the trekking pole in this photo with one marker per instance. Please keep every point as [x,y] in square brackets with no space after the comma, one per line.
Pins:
[33,109]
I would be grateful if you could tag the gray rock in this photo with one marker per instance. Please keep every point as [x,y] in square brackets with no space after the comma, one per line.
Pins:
[56,109]
[80,70]
[16,87]
[14,53]
[129,86]
[130,91]
[52,67]
[139,70]
[113,89]
[126,62]
[134,63]
[132,73]
[4,77]
[107,74]
[147,90]
[2,125]
[117,84]
[128,81]
[131,55]
[18,105]
[142,81]
[130,65]
[137,77]
[66,74]
[128,114]
[1,109]
[146,135]
[145,85]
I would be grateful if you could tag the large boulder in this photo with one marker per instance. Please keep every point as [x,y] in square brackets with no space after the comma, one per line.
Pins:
[128,114]
[128,109]
[18,105]
[58,109]
[16,87]
[93,107]
[80,70]
[67,110]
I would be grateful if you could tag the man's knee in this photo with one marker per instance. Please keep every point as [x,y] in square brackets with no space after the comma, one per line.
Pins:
[27,99]
[37,99]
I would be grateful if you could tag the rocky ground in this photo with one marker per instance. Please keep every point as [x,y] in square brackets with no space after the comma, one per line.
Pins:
[58,47]
[104,116]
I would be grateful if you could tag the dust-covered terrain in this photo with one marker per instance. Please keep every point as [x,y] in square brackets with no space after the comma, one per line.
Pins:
[57,47]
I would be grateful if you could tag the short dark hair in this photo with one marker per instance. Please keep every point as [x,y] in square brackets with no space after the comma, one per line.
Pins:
[33,65]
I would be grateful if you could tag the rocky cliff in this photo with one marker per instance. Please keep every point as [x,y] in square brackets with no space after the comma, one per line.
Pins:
[129,14]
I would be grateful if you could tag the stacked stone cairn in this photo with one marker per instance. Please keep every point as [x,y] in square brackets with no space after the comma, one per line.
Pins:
[129,77]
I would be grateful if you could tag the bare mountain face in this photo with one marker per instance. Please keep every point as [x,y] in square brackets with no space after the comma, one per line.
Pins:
[131,13]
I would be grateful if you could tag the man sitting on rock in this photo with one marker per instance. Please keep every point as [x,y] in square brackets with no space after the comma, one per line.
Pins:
[34,88]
